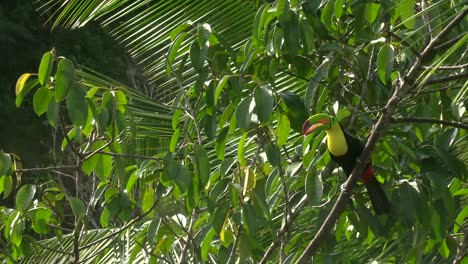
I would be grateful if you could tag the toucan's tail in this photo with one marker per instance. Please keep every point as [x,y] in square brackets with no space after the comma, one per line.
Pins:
[378,197]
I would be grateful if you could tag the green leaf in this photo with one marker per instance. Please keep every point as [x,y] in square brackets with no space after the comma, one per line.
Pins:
[202,164]
[103,167]
[5,163]
[291,34]
[24,197]
[172,52]
[219,216]
[23,87]
[180,28]
[193,196]
[121,101]
[283,130]
[249,216]
[244,113]
[311,91]
[220,87]
[406,11]
[41,218]
[460,219]
[174,140]
[273,154]
[264,103]
[77,206]
[53,112]
[41,100]
[6,185]
[241,150]
[152,230]
[182,178]
[169,166]
[372,10]
[16,224]
[203,34]
[45,68]
[198,56]
[220,144]
[206,244]
[385,63]
[63,79]
[77,106]
[314,187]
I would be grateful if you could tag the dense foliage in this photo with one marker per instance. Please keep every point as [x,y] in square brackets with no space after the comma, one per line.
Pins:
[208,164]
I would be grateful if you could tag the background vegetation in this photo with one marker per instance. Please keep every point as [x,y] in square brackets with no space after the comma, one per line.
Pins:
[189,148]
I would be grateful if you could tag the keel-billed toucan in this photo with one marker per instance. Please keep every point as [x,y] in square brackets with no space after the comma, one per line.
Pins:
[345,150]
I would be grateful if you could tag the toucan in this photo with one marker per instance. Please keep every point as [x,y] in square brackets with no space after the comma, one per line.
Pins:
[345,150]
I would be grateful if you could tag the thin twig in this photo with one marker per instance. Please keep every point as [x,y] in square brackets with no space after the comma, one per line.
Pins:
[128,155]
[429,120]
[436,90]
[449,43]
[65,167]
[447,78]
[447,67]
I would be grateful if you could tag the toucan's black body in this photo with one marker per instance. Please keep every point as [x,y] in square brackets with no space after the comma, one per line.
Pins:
[348,161]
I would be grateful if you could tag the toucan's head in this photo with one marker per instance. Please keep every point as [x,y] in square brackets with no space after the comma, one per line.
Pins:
[318,122]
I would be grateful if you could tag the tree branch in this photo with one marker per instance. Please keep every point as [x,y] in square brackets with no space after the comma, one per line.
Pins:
[447,78]
[429,120]
[378,129]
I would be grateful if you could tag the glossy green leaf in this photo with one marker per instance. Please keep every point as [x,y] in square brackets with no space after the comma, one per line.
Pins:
[385,63]
[77,206]
[220,144]
[193,195]
[311,91]
[372,10]
[180,28]
[284,127]
[45,67]
[24,197]
[77,106]
[103,167]
[174,140]
[219,216]
[406,11]
[244,113]
[203,34]
[220,88]
[206,244]
[41,100]
[53,112]
[273,154]
[6,185]
[173,51]
[241,151]
[202,163]
[264,103]
[5,163]
[314,187]
[198,56]
[63,79]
